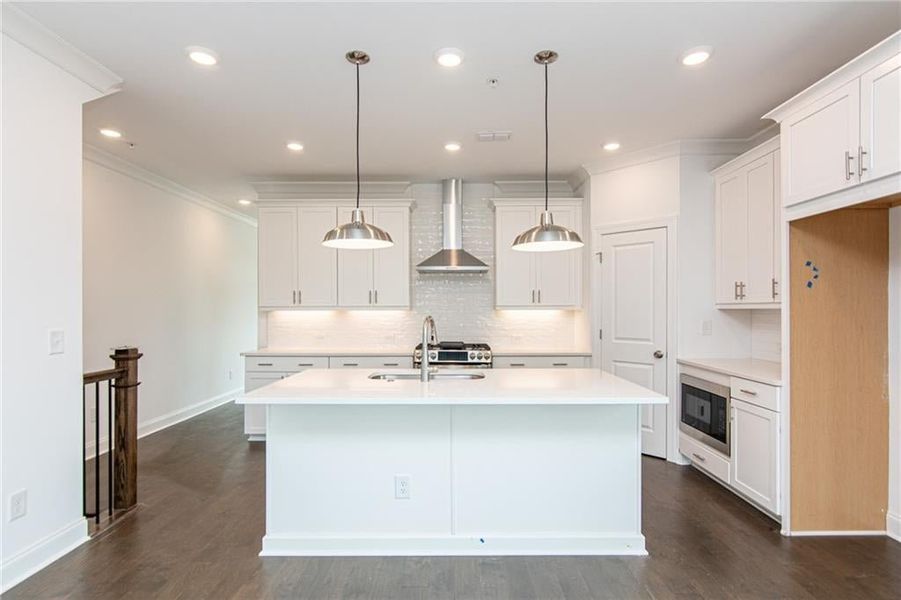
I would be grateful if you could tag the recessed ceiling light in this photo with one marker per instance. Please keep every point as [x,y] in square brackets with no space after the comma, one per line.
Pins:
[294,146]
[202,56]
[111,133]
[449,57]
[244,202]
[452,146]
[696,56]
[611,146]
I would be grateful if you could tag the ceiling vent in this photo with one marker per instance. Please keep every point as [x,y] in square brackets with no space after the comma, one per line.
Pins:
[493,136]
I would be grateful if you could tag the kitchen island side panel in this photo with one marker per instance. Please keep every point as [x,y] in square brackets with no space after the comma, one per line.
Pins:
[483,479]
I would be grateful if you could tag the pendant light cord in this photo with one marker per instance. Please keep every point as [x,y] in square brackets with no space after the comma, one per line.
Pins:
[358,135]
[545,142]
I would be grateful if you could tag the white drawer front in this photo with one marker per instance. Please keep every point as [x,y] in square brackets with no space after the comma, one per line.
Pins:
[370,362]
[539,362]
[709,460]
[284,364]
[758,394]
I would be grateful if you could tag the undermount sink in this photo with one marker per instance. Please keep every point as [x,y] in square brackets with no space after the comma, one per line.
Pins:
[395,376]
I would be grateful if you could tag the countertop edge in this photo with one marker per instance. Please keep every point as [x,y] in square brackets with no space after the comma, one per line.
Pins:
[700,363]
[289,352]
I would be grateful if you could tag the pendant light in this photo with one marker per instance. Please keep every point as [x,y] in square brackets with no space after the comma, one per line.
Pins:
[358,234]
[546,236]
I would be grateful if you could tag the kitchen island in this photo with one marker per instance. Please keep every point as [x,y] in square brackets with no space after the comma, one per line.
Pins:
[522,461]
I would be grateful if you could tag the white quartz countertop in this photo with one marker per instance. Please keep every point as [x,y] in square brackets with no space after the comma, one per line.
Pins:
[500,386]
[761,371]
[395,352]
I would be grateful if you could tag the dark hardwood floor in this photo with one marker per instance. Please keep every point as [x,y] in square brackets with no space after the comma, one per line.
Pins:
[197,533]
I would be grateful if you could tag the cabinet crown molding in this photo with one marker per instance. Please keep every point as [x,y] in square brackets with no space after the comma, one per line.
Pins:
[343,202]
[561,201]
[318,190]
[851,70]
[759,151]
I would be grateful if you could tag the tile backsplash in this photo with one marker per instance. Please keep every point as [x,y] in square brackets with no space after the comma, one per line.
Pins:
[766,335]
[461,303]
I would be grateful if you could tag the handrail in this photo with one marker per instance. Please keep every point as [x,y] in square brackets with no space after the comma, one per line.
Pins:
[103,375]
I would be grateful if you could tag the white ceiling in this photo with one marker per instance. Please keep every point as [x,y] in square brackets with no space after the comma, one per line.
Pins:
[283,76]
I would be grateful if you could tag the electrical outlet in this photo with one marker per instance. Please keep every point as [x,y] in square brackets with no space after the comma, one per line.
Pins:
[707,327]
[57,341]
[401,487]
[18,505]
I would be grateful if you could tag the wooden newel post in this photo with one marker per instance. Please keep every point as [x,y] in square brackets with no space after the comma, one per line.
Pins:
[125,489]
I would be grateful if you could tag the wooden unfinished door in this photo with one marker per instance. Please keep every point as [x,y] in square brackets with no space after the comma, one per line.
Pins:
[838,268]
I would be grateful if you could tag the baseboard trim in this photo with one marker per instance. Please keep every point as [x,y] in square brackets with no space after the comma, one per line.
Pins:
[43,552]
[835,533]
[893,526]
[613,545]
[169,419]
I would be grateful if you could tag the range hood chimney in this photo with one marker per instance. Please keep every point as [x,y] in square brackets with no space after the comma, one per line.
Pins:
[452,257]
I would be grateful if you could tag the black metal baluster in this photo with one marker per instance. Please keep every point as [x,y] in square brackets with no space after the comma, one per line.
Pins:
[109,445]
[97,452]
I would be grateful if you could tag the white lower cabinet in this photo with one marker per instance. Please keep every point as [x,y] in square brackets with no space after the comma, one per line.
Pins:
[755,444]
[263,370]
[540,362]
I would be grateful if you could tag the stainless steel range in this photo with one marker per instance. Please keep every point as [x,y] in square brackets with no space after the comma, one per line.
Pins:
[455,354]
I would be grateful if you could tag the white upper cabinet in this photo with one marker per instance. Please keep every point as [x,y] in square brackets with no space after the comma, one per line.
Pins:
[536,279]
[880,120]
[297,271]
[819,145]
[277,252]
[317,266]
[747,211]
[845,131]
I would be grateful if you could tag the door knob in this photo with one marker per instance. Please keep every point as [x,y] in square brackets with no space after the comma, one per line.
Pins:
[658,354]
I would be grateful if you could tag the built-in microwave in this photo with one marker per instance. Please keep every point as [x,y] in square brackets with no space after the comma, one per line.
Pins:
[705,412]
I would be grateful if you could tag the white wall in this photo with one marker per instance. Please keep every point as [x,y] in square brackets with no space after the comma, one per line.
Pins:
[172,277]
[894,353]
[461,303]
[41,238]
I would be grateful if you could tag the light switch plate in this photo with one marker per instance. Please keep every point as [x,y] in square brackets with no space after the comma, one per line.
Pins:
[18,505]
[57,341]
[707,327]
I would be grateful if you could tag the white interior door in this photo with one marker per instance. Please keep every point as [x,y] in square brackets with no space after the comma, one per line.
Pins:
[633,320]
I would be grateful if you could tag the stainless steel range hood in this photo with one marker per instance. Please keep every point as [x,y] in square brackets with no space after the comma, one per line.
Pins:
[452,257]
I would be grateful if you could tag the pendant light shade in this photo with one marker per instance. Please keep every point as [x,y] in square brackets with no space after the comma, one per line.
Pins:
[546,236]
[358,234]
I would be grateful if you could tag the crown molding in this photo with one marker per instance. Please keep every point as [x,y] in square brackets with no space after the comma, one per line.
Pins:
[849,71]
[520,188]
[36,37]
[755,153]
[123,167]
[319,190]
[711,147]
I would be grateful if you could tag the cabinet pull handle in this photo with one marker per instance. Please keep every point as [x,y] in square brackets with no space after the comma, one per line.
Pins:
[699,457]
[517,364]
[391,364]
[741,290]
[748,392]
[539,296]
[376,296]
[304,364]
[735,290]
[264,364]
[299,297]
[848,171]
[560,364]
[351,364]
[294,297]
[533,296]
[860,168]
[775,292]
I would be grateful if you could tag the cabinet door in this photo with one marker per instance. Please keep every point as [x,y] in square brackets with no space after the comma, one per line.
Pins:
[558,273]
[880,119]
[277,257]
[514,270]
[391,266]
[354,270]
[777,227]
[755,450]
[731,235]
[761,229]
[317,265]
[819,146]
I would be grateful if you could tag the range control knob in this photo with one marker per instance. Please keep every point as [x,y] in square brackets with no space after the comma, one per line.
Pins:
[433,355]
[480,356]
[472,355]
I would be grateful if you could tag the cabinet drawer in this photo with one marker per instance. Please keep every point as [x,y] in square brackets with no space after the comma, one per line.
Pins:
[758,394]
[539,362]
[701,456]
[287,364]
[370,362]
